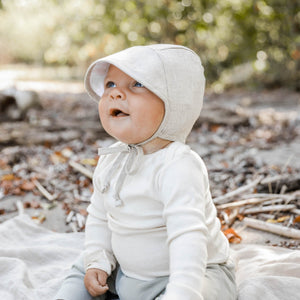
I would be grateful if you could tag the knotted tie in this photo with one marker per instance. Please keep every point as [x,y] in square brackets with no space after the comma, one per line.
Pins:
[133,154]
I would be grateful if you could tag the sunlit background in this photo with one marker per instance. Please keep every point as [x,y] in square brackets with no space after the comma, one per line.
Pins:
[250,43]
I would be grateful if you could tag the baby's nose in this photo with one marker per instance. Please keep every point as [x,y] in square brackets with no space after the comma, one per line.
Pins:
[117,93]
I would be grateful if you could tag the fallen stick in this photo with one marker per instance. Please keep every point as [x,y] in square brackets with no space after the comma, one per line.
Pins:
[70,215]
[273,228]
[272,196]
[263,209]
[275,178]
[73,227]
[80,220]
[232,217]
[20,207]
[276,201]
[244,202]
[43,191]
[227,197]
[80,168]
[259,198]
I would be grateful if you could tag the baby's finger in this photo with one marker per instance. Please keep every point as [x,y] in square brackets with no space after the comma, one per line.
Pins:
[99,290]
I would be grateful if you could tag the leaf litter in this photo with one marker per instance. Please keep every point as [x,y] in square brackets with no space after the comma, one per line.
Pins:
[55,168]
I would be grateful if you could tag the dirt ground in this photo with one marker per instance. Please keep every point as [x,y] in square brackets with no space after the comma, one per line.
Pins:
[241,135]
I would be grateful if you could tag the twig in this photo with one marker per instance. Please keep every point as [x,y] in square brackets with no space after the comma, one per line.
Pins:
[80,168]
[276,201]
[256,210]
[273,228]
[276,178]
[270,196]
[43,191]
[70,216]
[226,198]
[242,203]
[20,207]
[73,227]
[259,198]
[225,217]
[232,217]
[80,220]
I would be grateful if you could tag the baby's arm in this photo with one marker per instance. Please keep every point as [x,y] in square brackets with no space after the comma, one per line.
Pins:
[98,255]
[95,282]
[183,187]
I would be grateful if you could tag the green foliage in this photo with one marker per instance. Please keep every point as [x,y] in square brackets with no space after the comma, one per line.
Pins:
[253,41]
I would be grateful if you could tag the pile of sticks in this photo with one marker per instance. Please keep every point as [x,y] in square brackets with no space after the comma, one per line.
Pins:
[258,210]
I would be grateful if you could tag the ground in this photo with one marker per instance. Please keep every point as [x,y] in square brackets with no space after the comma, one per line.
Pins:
[241,135]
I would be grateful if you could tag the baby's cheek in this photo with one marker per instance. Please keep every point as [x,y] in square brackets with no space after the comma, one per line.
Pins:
[101,109]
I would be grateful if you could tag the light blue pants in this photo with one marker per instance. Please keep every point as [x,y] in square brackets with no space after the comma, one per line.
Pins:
[219,283]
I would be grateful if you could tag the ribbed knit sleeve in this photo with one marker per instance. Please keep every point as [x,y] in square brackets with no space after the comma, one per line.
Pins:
[98,252]
[184,192]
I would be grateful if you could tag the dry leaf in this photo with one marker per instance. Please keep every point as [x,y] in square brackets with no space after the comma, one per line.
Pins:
[58,158]
[6,186]
[27,186]
[279,220]
[8,177]
[297,220]
[214,127]
[225,164]
[67,152]
[39,219]
[32,204]
[282,219]
[89,161]
[83,212]
[4,165]
[17,191]
[26,204]
[271,221]
[232,236]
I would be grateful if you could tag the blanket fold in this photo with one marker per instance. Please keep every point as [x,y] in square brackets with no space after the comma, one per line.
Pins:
[34,260]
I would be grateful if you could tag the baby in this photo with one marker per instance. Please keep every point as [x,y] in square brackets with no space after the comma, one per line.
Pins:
[152,231]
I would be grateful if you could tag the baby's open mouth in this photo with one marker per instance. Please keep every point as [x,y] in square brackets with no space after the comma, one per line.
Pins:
[118,113]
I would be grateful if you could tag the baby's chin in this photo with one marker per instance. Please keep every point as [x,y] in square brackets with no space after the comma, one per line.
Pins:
[126,140]
[130,137]
[131,141]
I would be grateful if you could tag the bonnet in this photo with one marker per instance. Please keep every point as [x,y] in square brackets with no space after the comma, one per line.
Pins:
[172,72]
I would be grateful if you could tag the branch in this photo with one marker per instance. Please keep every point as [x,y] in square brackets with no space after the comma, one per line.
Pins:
[273,228]
[80,168]
[254,200]
[256,210]
[43,191]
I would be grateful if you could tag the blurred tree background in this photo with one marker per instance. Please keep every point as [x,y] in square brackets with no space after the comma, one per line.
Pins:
[250,43]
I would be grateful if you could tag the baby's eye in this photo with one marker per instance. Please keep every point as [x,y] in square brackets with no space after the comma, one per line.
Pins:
[138,84]
[110,84]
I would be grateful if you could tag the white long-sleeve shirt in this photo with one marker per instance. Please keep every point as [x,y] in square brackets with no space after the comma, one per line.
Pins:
[166,225]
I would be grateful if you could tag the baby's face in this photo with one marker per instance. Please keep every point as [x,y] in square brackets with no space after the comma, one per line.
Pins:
[128,111]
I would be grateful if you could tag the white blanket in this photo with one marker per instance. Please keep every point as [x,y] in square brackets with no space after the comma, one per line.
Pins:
[34,260]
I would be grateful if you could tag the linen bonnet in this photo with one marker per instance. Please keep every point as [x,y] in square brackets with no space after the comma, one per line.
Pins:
[172,72]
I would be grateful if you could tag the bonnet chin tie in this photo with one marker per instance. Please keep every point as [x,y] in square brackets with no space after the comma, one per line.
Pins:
[133,154]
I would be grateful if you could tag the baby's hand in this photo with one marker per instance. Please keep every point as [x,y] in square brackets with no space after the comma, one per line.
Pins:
[95,282]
